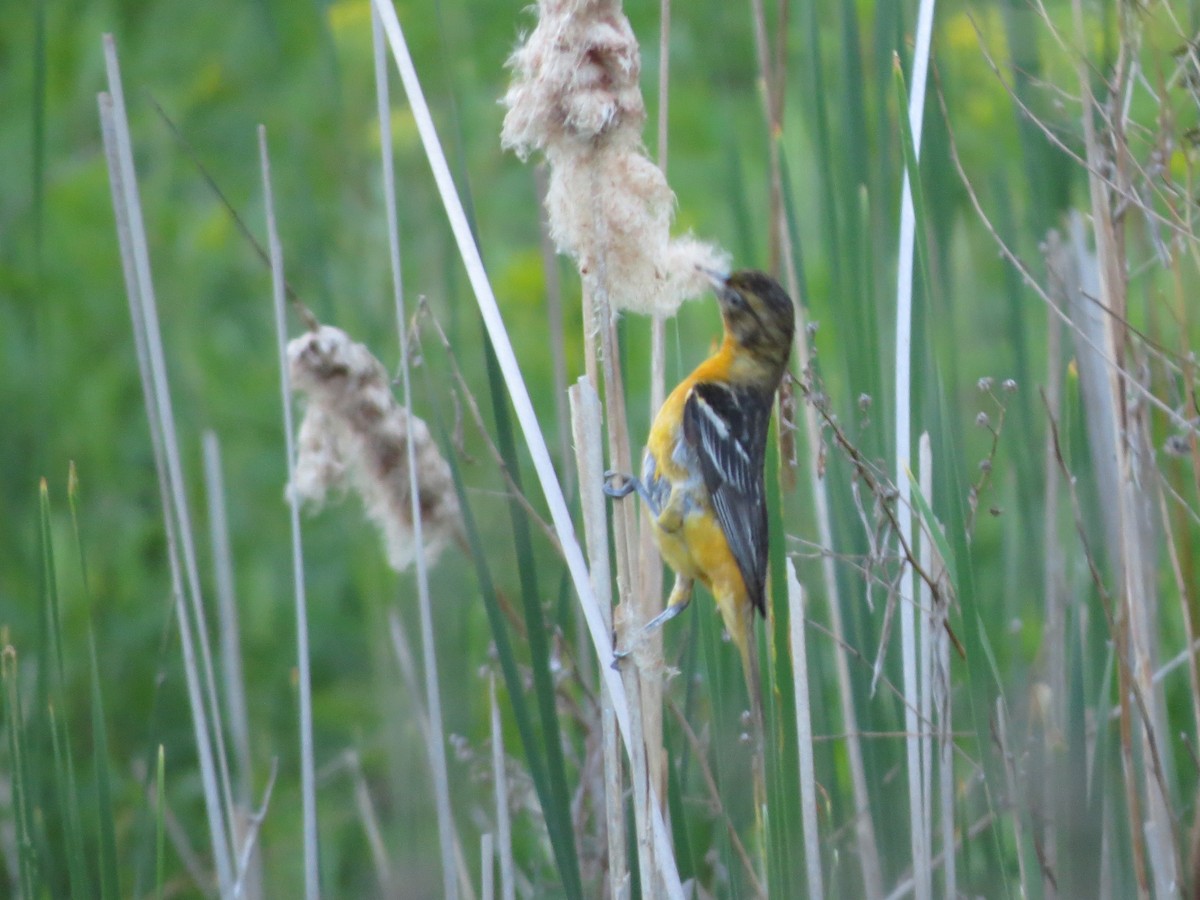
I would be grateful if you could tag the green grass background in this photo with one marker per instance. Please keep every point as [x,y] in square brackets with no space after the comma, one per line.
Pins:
[69,391]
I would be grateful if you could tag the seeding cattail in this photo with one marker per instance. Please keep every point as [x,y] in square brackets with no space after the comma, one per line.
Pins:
[576,98]
[355,435]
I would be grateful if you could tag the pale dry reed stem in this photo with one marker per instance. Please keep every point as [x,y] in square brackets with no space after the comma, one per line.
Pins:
[508,888]
[231,657]
[231,651]
[925,638]
[1060,277]
[156,393]
[487,865]
[935,679]
[587,430]
[804,734]
[1125,445]
[249,875]
[308,785]
[903,444]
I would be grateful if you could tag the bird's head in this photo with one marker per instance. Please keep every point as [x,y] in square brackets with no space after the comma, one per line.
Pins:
[758,314]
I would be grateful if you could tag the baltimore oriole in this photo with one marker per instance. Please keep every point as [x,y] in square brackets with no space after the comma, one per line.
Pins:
[702,473]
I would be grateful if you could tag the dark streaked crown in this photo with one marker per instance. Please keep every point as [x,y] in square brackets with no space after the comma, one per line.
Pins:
[759,315]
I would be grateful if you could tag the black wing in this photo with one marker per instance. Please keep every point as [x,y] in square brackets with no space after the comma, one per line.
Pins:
[728,430]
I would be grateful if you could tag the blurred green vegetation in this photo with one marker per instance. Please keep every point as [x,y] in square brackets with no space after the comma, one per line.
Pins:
[70,391]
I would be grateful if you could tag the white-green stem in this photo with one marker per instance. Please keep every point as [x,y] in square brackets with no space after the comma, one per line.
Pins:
[804,735]
[523,406]
[437,738]
[308,782]
[250,882]
[903,382]
[227,617]
[508,884]
[925,636]
[487,866]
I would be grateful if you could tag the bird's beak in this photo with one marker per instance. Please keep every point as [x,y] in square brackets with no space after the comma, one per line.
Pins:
[717,279]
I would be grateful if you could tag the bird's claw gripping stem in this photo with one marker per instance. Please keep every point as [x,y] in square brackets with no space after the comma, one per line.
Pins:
[623,487]
[618,485]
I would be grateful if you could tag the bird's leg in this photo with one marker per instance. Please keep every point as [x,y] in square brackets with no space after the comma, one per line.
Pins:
[626,485]
[681,596]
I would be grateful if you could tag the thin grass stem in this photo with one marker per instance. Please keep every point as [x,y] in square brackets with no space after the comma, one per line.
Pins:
[437,737]
[508,884]
[308,787]
[139,289]
[903,444]
[804,735]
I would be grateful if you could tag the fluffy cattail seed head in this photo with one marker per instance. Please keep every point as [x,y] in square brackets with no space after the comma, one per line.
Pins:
[355,435]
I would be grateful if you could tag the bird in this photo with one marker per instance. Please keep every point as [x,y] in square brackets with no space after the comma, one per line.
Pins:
[702,472]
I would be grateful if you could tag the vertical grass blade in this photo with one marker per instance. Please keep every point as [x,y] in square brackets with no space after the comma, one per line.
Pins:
[487,865]
[508,882]
[55,699]
[781,755]
[28,881]
[308,786]
[437,736]
[804,735]
[152,369]
[160,833]
[925,634]
[227,617]
[903,446]
[110,888]
[67,799]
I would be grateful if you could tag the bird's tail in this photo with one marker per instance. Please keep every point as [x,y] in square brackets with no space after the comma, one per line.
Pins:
[756,731]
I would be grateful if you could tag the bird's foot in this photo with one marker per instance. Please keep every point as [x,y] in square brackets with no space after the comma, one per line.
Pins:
[618,485]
